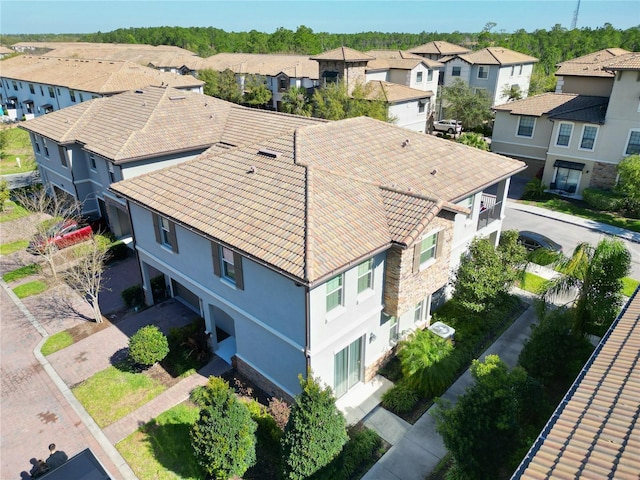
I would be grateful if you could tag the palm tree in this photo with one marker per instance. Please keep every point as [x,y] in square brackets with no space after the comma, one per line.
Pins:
[596,274]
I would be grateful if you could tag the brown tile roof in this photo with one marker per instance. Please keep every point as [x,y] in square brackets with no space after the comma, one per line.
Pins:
[343,54]
[96,76]
[630,61]
[335,193]
[141,124]
[439,48]
[295,66]
[394,92]
[496,56]
[595,431]
[590,65]
[397,59]
[560,105]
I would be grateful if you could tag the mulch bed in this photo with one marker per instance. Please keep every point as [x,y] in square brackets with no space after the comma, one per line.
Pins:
[85,329]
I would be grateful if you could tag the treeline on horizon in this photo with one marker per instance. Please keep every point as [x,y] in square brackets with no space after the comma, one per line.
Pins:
[549,46]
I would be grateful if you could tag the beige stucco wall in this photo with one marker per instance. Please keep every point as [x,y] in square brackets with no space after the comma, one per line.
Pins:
[600,87]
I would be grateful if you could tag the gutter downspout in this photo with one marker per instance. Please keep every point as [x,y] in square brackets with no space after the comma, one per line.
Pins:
[307,329]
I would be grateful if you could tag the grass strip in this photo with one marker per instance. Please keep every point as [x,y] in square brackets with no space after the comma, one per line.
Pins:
[30,288]
[115,392]
[57,342]
[629,286]
[22,272]
[9,248]
[12,211]
[532,283]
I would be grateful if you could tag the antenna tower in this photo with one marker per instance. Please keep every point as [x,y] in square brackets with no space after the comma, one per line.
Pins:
[575,16]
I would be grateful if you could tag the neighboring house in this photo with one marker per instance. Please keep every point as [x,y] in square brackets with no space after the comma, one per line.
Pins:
[577,138]
[32,86]
[281,72]
[406,82]
[4,51]
[438,49]
[594,432]
[311,250]
[166,58]
[81,150]
[493,70]
[585,75]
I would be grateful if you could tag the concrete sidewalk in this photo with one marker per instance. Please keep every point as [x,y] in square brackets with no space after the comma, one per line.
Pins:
[421,448]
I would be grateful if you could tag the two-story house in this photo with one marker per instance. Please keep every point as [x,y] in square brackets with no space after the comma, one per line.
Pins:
[81,150]
[438,49]
[578,138]
[32,86]
[494,70]
[317,248]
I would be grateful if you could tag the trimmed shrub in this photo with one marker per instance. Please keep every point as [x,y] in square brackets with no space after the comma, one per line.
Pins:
[148,345]
[133,296]
[223,438]
[533,189]
[400,398]
[118,251]
[315,433]
[604,200]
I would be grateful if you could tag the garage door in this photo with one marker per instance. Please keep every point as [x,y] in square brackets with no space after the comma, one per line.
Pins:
[187,296]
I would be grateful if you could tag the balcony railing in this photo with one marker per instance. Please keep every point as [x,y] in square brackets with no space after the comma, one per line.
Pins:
[489,210]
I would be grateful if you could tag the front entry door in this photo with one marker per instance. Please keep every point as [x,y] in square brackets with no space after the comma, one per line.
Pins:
[348,367]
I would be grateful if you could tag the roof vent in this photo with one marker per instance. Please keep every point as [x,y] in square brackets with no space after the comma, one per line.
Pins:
[252,169]
[139,91]
[268,153]
[405,143]
[434,171]
[182,97]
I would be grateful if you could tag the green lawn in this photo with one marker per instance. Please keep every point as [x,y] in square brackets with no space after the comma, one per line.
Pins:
[629,286]
[532,283]
[572,208]
[161,449]
[9,248]
[12,211]
[113,393]
[56,342]
[22,272]
[30,288]
[17,145]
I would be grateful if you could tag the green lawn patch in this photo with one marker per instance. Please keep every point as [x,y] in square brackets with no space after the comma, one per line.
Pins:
[115,392]
[629,286]
[57,342]
[22,272]
[30,288]
[17,144]
[532,283]
[580,209]
[161,449]
[12,211]
[9,248]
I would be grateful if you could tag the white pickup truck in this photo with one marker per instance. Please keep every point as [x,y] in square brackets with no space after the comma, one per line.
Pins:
[449,126]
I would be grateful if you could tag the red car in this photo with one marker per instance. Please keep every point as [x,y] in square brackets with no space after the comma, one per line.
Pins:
[61,235]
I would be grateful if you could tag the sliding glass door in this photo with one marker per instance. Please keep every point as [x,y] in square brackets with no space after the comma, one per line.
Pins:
[348,367]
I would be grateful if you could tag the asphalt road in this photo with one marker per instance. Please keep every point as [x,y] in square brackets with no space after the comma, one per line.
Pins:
[567,235]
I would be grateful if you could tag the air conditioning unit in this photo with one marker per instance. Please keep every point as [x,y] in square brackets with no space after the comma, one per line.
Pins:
[442,330]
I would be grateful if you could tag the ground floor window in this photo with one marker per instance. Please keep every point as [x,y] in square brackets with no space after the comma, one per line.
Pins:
[348,367]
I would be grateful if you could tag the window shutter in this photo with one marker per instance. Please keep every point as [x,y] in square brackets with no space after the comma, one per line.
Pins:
[172,237]
[156,227]
[439,241]
[237,265]
[215,253]
[416,257]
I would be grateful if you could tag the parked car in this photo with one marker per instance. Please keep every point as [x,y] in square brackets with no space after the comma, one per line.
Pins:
[449,126]
[532,241]
[61,235]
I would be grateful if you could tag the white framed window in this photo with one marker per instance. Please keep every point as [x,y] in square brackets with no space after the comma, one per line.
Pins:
[335,292]
[425,252]
[483,72]
[418,77]
[418,312]
[63,156]
[564,134]
[165,232]
[588,140]
[228,264]
[633,143]
[526,126]
[421,106]
[456,71]
[394,330]
[365,275]
[429,75]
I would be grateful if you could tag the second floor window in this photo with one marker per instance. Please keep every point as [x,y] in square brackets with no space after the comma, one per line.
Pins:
[335,292]
[165,231]
[72,95]
[429,75]
[455,71]
[52,92]
[428,248]
[483,71]
[419,77]
[564,134]
[92,161]
[31,89]
[525,126]
[588,137]
[365,275]
[15,85]
[227,265]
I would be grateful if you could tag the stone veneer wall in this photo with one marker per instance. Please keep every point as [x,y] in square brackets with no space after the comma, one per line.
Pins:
[263,383]
[603,175]
[403,287]
[355,72]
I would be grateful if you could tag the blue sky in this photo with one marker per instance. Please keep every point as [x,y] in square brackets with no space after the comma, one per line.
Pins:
[335,16]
